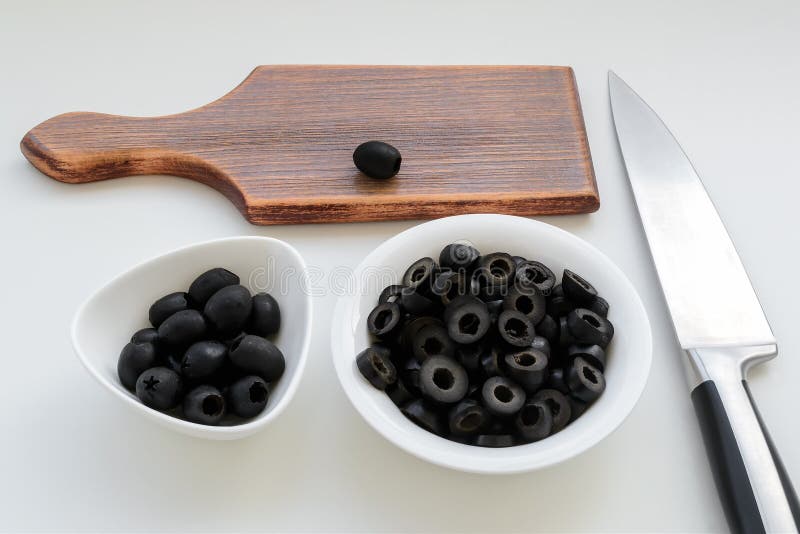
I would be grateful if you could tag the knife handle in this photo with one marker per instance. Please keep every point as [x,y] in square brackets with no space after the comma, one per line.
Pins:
[755,490]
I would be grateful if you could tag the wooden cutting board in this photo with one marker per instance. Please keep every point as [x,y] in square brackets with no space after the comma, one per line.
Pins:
[474,139]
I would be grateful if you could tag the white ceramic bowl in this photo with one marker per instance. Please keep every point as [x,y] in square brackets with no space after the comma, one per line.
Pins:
[629,357]
[106,321]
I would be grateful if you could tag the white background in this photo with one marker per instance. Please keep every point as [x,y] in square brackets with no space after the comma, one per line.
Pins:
[724,75]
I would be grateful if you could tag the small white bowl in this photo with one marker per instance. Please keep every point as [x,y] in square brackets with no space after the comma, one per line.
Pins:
[629,357]
[106,321]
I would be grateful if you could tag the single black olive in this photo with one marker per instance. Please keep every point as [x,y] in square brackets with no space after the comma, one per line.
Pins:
[203,359]
[258,356]
[166,306]
[529,301]
[376,366]
[135,359]
[502,397]
[209,283]
[494,440]
[145,335]
[585,381]
[599,306]
[247,396]
[528,368]
[182,329]
[594,354]
[585,326]
[228,309]
[159,388]
[457,256]
[559,406]
[443,380]
[467,319]
[424,416]
[265,315]
[536,274]
[432,340]
[385,320]
[548,328]
[377,159]
[467,417]
[399,393]
[204,405]
[534,421]
[515,328]
[577,289]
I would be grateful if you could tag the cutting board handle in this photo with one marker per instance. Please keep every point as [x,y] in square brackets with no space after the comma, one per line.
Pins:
[87,147]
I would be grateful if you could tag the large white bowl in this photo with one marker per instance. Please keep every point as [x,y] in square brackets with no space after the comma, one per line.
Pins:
[105,322]
[629,357]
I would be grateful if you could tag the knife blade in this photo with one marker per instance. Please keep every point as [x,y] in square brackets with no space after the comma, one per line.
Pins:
[717,317]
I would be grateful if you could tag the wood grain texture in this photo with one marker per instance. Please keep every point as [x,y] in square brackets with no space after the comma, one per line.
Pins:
[474,139]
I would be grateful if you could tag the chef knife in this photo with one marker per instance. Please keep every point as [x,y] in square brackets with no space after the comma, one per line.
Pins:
[717,317]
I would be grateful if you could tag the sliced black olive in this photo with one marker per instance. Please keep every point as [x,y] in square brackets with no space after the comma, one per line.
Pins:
[565,337]
[534,421]
[415,303]
[265,316]
[536,274]
[559,406]
[494,307]
[432,340]
[168,305]
[593,354]
[502,397]
[420,275]
[577,407]
[518,259]
[467,319]
[469,356]
[498,269]
[599,306]
[376,366]
[377,159]
[541,343]
[548,328]
[559,305]
[385,320]
[410,375]
[467,417]
[458,256]
[585,381]
[399,393]
[494,440]
[577,289]
[209,283]
[528,368]
[515,328]
[443,380]
[412,328]
[491,362]
[557,381]
[528,301]
[585,326]
[558,291]
[391,293]
[425,416]
[450,285]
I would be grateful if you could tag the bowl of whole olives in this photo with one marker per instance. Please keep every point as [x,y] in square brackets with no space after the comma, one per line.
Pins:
[491,343]
[210,340]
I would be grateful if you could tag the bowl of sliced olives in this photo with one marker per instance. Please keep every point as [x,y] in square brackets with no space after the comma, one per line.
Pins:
[210,340]
[491,343]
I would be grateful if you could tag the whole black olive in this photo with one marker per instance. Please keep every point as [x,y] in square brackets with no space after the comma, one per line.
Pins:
[265,317]
[209,283]
[166,306]
[377,159]
[228,309]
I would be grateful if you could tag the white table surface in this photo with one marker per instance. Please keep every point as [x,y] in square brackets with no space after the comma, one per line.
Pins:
[724,75]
